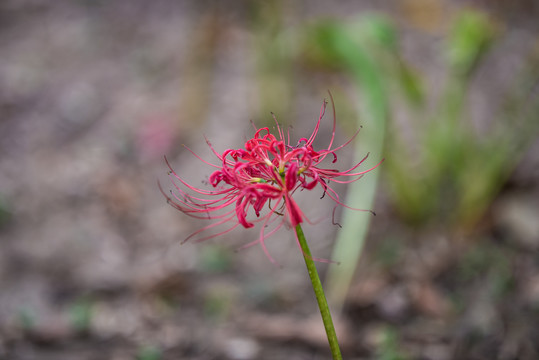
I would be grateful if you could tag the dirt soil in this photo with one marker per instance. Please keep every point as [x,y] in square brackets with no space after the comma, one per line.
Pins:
[94,93]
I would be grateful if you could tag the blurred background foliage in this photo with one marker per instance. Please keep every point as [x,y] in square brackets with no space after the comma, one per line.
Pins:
[446,173]
[93,95]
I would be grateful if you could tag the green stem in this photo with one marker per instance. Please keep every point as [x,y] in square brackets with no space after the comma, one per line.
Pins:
[320,296]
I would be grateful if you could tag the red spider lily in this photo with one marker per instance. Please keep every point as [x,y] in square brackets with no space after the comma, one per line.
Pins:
[261,179]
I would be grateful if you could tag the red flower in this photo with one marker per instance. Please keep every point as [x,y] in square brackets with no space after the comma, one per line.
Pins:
[261,178]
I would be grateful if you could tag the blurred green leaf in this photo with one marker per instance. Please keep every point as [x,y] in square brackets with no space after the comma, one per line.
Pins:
[411,84]
[5,211]
[471,36]
[451,174]
[149,353]
[389,348]
[376,29]
[81,314]
[317,46]
[364,49]
[27,318]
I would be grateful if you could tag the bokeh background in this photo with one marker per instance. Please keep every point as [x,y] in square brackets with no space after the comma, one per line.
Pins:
[94,93]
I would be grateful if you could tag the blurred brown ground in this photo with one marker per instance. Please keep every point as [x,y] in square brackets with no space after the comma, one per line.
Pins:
[94,93]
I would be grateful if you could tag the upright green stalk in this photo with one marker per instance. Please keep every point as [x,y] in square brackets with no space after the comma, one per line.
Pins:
[320,296]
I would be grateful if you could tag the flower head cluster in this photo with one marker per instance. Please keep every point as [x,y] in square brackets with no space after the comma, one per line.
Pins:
[261,179]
